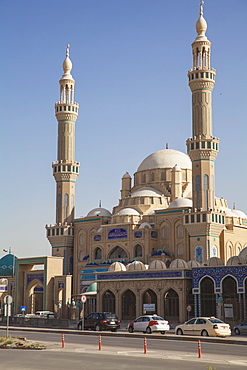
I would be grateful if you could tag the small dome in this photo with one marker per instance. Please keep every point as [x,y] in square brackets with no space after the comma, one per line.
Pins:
[92,288]
[126,176]
[193,263]
[243,254]
[235,261]
[229,213]
[136,265]
[165,158]
[117,266]
[157,265]
[178,264]
[129,212]
[147,191]
[7,264]
[102,212]
[145,224]
[181,203]
[100,230]
[214,261]
[159,252]
[239,213]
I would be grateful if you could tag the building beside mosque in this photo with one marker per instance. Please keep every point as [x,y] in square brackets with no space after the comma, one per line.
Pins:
[170,245]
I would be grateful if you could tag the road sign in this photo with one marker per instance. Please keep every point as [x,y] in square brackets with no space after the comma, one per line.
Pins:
[8,299]
[83,298]
[189,308]
[23,308]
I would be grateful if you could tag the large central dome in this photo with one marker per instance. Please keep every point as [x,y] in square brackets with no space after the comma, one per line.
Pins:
[165,158]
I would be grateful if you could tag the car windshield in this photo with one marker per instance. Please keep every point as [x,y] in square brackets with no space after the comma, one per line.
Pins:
[215,321]
[111,316]
[157,318]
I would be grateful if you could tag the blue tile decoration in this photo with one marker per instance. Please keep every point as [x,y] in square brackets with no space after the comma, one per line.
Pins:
[117,233]
[218,273]
[97,238]
[141,275]
[154,234]
[138,234]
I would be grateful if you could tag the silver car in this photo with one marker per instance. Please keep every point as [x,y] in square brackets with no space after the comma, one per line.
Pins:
[240,329]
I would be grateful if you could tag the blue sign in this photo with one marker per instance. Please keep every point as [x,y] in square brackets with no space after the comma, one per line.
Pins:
[138,234]
[154,234]
[23,308]
[118,233]
[97,238]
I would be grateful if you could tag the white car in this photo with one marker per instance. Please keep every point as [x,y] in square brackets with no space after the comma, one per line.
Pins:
[148,324]
[205,326]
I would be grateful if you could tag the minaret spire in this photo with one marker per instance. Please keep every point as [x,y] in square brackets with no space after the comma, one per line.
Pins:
[202,147]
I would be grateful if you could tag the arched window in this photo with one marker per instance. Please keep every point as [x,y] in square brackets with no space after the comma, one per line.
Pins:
[118,252]
[152,176]
[214,251]
[208,300]
[81,239]
[180,231]
[138,251]
[165,232]
[81,256]
[128,305]
[230,297]
[144,178]
[180,249]
[205,185]
[98,254]
[199,253]
[109,302]
[171,304]
[149,297]
[70,272]
[198,193]
[66,203]
[163,176]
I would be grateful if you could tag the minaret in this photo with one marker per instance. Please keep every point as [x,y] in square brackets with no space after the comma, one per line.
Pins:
[202,147]
[65,169]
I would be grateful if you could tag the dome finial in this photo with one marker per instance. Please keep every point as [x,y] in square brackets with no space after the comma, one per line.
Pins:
[201,7]
[67,50]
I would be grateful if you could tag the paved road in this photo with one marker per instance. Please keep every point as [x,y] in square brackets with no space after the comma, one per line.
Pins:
[124,352]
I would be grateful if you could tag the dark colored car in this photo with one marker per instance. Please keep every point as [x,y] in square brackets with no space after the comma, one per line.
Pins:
[100,321]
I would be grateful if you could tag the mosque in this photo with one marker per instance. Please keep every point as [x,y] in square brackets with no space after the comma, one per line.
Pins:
[169,246]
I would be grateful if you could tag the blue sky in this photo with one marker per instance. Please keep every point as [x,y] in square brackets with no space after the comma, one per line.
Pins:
[130,62]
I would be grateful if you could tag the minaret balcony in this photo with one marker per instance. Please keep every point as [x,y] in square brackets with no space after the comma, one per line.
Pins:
[203,147]
[197,217]
[66,167]
[201,74]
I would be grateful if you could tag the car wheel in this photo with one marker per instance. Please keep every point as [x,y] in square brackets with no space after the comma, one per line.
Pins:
[148,331]
[97,327]
[204,333]
[79,326]
[162,332]
[179,332]
[130,329]
[237,331]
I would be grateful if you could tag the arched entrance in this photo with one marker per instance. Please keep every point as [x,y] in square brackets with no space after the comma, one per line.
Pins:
[231,308]
[109,302]
[128,305]
[149,297]
[171,304]
[208,299]
[35,297]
